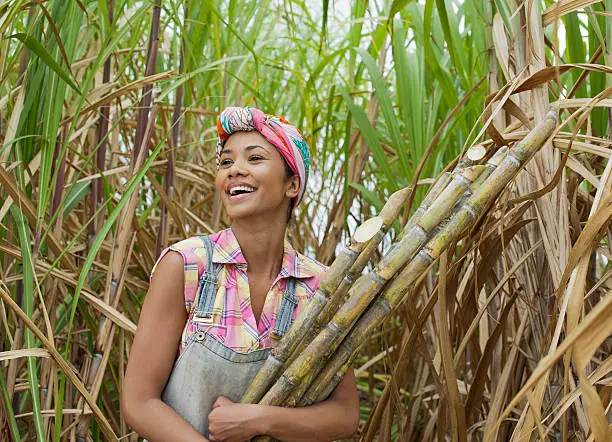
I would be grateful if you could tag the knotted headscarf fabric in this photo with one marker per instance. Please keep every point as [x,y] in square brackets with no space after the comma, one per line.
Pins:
[276,129]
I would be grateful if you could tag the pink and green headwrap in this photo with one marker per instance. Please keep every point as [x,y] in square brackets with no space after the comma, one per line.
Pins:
[277,130]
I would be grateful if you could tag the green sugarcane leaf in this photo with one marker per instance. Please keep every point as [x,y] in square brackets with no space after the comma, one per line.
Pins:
[371,136]
[397,6]
[386,105]
[28,307]
[44,55]
[74,196]
[324,24]
[8,406]
[448,37]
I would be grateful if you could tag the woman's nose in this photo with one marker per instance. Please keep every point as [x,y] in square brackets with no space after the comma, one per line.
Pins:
[237,168]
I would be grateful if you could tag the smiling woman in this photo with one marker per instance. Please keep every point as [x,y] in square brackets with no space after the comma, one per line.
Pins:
[217,305]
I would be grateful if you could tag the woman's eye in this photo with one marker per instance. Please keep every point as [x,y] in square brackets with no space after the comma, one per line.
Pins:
[225,162]
[255,158]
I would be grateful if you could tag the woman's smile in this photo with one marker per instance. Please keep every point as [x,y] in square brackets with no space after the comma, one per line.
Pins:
[239,191]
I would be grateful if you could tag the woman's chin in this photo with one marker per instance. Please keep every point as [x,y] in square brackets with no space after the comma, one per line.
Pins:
[244,213]
[252,213]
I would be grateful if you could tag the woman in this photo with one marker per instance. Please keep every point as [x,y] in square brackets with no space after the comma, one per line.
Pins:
[225,299]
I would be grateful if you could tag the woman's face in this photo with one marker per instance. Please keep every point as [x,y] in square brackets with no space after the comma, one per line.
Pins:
[251,178]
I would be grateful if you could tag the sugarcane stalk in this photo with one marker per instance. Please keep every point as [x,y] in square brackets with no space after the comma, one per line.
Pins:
[330,377]
[313,388]
[438,187]
[388,214]
[362,237]
[431,196]
[474,207]
[490,166]
[367,287]
[326,382]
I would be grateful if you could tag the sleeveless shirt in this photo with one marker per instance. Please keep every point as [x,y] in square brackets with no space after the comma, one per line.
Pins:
[233,323]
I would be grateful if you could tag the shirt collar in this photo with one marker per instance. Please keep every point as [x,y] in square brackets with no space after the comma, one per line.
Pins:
[227,250]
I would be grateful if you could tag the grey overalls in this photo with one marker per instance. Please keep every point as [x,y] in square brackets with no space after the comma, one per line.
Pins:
[207,369]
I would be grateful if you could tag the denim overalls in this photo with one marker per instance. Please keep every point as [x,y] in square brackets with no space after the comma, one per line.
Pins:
[207,369]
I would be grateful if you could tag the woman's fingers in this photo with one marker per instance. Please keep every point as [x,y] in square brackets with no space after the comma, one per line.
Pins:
[221,401]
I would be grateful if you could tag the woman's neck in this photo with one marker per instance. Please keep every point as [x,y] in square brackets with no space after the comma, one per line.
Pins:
[262,244]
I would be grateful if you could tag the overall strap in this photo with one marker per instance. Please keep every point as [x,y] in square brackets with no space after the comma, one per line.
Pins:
[285,312]
[207,287]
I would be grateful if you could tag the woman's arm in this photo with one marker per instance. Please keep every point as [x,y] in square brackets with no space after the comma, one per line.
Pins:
[160,326]
[334,418]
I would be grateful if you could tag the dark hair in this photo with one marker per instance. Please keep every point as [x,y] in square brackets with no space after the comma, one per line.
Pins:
[288,174]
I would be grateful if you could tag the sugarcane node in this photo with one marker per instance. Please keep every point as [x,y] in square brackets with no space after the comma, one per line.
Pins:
[476,152]
[334,274]
[418,228]
[319,297]
[335,329]
[433,193]
[401,252]
[368,229]
[428,255]
[384,304]
[363,285]
[349,278]
[275,357]
[350,252]
[461,179]
[513,156]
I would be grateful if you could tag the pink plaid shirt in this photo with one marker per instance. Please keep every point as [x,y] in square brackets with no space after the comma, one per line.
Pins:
[233,321]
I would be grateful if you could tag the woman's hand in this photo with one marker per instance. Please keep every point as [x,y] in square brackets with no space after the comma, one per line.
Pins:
[232,422]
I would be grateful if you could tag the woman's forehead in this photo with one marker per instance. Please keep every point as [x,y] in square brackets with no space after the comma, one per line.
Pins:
[242,140]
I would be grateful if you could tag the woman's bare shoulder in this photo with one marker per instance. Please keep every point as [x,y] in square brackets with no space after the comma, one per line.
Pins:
[167,282]
[170,265]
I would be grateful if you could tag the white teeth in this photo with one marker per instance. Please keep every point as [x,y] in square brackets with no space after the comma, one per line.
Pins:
[235,190]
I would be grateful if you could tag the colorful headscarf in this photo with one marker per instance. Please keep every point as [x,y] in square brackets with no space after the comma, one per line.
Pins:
[277,130]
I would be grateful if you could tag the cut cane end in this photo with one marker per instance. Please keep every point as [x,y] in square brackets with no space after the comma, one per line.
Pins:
[473,172]
[394,204]
[368,229]
[477,152]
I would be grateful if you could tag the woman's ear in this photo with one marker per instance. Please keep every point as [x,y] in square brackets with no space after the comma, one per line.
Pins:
[293,187]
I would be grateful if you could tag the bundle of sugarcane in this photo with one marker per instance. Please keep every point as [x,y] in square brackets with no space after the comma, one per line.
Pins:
[313,356]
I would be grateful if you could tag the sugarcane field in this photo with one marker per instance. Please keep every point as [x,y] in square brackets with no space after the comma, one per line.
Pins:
[304,220]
